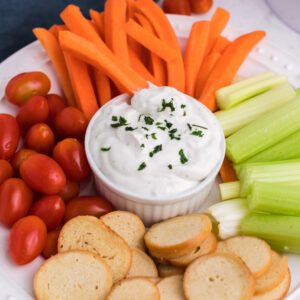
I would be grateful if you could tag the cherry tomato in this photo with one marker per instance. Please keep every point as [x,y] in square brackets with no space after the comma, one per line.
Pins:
[56,105]
[50,209]
[70,154]
[43,174]
[35,110]
[201,6]
[6,170]
[27,239]
[9,136]
[87,205]
[70,122]
[40,138]
[51,243]
[26,85]
[15,200]
[19,157]
[70,191]
[180,7]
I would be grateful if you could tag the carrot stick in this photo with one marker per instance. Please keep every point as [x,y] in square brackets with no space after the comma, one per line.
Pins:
[218,22]
[150,41]
[157,64]
[206,67]
[164,30]
[194,54]
[102,86]
[105,61]
[220,45]
[82,86]
[54,29]
[114,28]
[228,65]
[51,46]
[227,171]
[140,68]
[98,19]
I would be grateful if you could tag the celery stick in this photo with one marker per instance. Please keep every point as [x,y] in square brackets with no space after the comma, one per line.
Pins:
[287,148]
[227,90]
[229,190]
[282,232]
[275,198]
[228,100]
[264,132]
[297,91]
[239,116]
[286,172]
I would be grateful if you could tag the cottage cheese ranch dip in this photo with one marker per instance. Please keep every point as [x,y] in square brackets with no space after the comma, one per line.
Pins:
[160,143]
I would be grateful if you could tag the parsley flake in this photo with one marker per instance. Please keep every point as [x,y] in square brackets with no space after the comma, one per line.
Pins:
[168,124]
[114,118]
[161,128]
[155,150]
[139,119]
[148,120]
[122,122]
[129,128]
[158,123]
[145,128]
[170,167]
[165,104]
[182,106]
[183,158]
[153,135]
[197,133]
[200,126]
[189,126]
[105,149]
[172,135]
[142,146]
[142,166]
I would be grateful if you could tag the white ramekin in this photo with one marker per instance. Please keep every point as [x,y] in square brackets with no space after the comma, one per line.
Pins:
[152,210]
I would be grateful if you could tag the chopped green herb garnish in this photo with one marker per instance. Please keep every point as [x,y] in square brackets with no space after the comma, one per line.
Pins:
[197,133]
[189,126]
[155,150]
[182,106]
[147,135]
[200,126]
[145,128]
[142,146]
[168,124]
[170,167]
[183,158]
[172,135]
[139,119]
[122,122]
[173,130]
[148,120]
[142,166]
[105,149]
[130,128]
[114,118]
[153,135]
[158,123]
[162,128]
[165,104]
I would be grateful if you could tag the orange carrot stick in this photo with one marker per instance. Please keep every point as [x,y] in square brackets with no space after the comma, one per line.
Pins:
[140,68]
[121,74]
[206,67]
[114,28]
[157,64]
[51,46]
[218,22]
[220,45]
[102,87]
[98,19]
[54,29]
[164,30]
[150,41]
[227,171]
[228,65]
[194,54]
[82,86]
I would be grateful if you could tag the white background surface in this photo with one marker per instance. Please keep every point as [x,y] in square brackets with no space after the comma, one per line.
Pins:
[246,15]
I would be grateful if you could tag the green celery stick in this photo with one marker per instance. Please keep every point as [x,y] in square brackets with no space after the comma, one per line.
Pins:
[282,232]
[287,148]
[229,190]
[297,91]
[286,172]
[226,100]
[239,116]
[264,132]
[275,198]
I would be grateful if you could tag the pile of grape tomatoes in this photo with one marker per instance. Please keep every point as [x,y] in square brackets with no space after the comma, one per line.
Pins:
[40,181]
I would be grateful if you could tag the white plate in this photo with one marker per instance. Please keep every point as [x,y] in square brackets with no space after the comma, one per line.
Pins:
[15,281]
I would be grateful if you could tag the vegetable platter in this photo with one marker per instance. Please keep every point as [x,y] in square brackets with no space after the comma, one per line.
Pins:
[16,281]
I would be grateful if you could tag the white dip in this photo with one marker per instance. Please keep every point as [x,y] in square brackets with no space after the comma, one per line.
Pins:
[162,144]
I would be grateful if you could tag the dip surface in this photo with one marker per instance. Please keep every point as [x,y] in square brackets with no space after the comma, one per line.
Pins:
[161,144]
